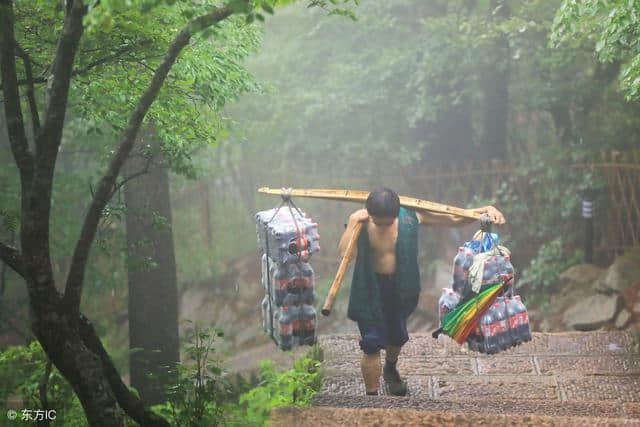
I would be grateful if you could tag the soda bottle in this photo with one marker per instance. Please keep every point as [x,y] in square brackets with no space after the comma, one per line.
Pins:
[308,296]
[508,267]
[468,259]
[490,343]
[476,341]
[512,318]
[285,328]
[280,283]
[448,300]
[500,266]
[492,267]
[524,328]
[309,318]
[295,311]
[504,337]
[458,262]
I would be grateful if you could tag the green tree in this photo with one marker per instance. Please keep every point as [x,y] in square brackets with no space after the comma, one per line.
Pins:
[613,25]
[67,337]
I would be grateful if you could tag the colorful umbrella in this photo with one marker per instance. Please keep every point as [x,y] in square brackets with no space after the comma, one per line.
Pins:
[459,322]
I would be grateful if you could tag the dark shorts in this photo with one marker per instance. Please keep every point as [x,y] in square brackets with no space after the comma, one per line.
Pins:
[392,330]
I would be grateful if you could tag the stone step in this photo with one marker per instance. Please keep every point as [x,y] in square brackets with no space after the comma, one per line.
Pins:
[598,343]
[574,374]
[332,416]
[601,409]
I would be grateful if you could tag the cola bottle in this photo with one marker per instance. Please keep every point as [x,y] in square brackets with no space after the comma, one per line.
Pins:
[500,267]
[508,267]
[468,259]
[280,283]
[504,336]
[512,318]
[490,341]
[295,311]
[476,340]
[307,296]
[524,328]
[489,272]
[285,328]
[448,300]
[309,318]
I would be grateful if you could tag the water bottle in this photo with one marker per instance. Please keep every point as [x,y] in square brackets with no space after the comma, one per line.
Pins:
[285,328]
[309,318]
[490,343]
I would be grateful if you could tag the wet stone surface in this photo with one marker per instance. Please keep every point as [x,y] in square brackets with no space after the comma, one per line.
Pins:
[618,388]
[515,365]
[589,365]
[495,387]
[594,374]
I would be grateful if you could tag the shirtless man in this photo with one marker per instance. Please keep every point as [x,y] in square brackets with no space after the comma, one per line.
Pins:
[386,279]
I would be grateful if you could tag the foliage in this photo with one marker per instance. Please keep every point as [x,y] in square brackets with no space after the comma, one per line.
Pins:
[198,396]
[541,275]
[22,368]
[204,395]
[201,395]
[294,387]
[614,25]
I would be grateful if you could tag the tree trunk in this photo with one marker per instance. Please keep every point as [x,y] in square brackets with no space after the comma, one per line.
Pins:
[496,92]
[78,364]
[153,301]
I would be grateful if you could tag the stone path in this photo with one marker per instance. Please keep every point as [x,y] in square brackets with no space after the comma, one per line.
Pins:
[553,377]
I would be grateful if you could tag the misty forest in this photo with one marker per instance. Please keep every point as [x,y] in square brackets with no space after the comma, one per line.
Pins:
[134,137]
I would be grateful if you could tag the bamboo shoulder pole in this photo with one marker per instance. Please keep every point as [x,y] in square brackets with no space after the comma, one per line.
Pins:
[361,196]
[337,282]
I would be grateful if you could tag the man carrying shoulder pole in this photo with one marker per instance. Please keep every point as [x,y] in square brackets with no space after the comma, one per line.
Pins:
[386,279]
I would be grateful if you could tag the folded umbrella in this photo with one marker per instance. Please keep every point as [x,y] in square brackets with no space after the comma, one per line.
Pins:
[464,318]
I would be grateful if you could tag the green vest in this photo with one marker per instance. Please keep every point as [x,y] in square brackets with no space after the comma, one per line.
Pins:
[365,303]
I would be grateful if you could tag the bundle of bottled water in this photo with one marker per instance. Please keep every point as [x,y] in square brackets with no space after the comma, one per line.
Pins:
[506,322]
[287,238]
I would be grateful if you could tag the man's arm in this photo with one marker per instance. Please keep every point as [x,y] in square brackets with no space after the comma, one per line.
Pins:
[449,220]
[360,215]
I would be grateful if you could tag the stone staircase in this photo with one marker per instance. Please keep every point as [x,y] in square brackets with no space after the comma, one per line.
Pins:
[576,378]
